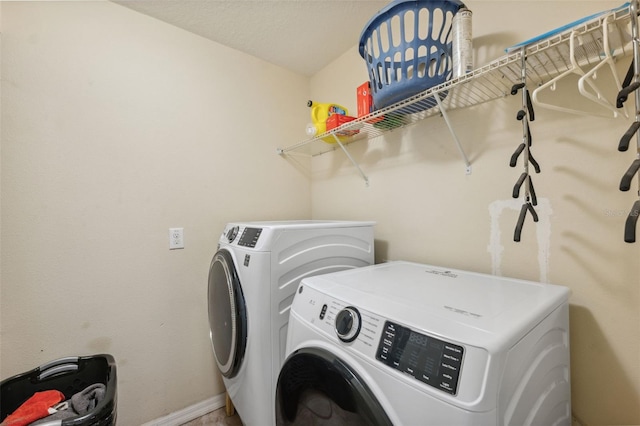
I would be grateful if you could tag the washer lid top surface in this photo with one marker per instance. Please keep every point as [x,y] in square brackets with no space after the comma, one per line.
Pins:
[419,293]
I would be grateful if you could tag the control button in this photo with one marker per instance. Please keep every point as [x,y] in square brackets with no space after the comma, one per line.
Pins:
[449,366]
[347,324]
[453,349]
[447,387]
[453,358]
[323,311]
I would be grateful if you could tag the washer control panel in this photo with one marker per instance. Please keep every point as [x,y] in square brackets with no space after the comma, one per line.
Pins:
[430,360]
[420,356]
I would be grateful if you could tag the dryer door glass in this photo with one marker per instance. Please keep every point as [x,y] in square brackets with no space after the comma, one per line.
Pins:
[227,314]
[315,386]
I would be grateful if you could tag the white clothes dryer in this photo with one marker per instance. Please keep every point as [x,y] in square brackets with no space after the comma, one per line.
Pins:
[252,280]
[409,344]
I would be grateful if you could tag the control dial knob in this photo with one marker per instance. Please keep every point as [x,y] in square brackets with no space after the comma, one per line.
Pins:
[232,233]
[347,324]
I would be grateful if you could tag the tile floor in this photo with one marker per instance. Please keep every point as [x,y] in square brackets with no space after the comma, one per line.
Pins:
[219,418]
[216,418]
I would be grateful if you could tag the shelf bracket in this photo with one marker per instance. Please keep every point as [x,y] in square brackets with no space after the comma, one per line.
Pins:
[355,164]
[443,111]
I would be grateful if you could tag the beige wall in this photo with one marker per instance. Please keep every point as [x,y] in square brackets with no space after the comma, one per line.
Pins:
[428,210]
[116,127]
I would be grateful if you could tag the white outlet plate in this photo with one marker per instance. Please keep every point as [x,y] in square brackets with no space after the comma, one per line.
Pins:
[176,238]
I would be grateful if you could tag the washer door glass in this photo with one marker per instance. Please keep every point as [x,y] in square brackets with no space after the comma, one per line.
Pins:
[227,314]
[315,386]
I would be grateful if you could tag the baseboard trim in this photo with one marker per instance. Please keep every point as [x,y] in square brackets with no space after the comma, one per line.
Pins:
[187,414]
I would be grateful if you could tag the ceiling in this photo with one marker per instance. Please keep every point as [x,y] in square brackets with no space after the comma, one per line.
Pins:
[300,35]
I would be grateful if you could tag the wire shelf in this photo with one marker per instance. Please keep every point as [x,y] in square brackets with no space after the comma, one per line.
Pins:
[545,60]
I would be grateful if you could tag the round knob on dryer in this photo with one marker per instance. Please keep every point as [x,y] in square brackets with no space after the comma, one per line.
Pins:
[232,233]
[347,324]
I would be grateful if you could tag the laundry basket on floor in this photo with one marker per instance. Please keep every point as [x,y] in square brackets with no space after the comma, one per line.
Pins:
[407,48]
[70,376]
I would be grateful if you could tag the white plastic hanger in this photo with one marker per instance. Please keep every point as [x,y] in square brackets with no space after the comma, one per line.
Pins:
[591,75]
[584,78]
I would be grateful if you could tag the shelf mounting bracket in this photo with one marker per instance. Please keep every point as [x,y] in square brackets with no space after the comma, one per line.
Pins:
[443,111]
[355,164]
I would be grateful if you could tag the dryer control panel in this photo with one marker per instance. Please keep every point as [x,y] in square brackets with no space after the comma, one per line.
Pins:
[249,237]
[430,360]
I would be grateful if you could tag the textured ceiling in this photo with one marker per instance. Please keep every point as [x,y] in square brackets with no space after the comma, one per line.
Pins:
[300,35]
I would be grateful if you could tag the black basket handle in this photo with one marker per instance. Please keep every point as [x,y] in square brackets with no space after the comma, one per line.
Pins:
[59,366]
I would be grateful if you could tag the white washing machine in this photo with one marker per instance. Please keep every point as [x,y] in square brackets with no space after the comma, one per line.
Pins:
[409,344]
[252,280]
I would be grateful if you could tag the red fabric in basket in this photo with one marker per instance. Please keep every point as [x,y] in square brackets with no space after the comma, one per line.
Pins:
[34,408]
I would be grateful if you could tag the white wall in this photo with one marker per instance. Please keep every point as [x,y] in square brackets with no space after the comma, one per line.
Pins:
[428,210]
[116,127]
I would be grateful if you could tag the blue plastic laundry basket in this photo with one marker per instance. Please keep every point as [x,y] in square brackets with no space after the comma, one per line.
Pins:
[407,48]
